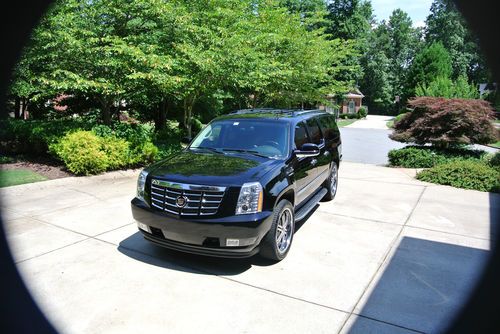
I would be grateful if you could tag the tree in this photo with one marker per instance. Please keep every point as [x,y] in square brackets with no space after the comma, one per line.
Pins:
[430,63]
[444,122]
[147,56]
[445,24]
[445,87]
[376,83]
[351,20]
[404,41]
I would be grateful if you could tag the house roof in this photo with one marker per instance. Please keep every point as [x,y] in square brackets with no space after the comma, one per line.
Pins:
[351,94]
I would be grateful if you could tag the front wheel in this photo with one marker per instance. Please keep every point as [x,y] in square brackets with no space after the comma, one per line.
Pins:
[332,182]
[278,240]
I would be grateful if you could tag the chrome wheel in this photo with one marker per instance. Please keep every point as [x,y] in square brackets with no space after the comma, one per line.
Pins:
[284,230]
[333,179]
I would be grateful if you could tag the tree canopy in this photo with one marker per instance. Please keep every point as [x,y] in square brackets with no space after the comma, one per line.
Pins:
[182,59]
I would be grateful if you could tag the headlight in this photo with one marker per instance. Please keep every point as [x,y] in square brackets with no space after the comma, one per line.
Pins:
[141,182]
[250,199]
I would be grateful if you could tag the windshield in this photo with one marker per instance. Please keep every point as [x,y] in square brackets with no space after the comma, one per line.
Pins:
[269,139]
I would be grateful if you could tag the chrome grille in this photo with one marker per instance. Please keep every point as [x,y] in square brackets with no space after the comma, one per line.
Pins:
[200,200]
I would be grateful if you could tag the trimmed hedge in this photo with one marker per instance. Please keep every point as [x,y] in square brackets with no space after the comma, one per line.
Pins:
[466,174]
[426,157]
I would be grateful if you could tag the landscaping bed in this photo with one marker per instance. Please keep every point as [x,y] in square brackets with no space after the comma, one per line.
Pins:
[84,147]
[457,167]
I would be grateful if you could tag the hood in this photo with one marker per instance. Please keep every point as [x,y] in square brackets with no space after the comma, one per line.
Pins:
[207,168]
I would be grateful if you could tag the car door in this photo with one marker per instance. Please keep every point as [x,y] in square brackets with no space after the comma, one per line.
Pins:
[322,162]
[304,168]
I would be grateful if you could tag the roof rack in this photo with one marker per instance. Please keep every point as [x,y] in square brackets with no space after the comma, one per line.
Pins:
[293,112]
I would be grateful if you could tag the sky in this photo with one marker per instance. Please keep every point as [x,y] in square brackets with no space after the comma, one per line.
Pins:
[417,9]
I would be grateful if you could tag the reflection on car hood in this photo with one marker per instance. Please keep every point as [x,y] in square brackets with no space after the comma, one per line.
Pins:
[209,168]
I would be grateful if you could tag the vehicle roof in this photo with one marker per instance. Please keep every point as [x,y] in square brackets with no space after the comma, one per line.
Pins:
[291,115]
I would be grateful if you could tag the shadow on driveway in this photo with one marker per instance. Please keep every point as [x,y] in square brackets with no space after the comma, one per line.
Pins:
[424,286]
[142,250]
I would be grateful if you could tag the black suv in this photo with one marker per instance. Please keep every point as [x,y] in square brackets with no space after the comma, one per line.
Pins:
[241,184]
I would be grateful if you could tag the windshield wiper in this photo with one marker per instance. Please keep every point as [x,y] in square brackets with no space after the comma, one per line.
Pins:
[207,148]
[244,151]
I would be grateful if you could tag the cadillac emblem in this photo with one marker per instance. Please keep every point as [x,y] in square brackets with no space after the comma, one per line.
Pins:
[181,201]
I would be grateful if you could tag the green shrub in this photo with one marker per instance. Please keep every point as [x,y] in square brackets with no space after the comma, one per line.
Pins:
[362,112]
[34,136]
[135,134]
[426,157]
[117,152]
[413,157]
[494,160]
[144,154]
[6,160]
[465,174]
[82,153]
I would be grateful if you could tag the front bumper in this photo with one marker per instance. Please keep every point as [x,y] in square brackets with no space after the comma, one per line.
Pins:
[203,236]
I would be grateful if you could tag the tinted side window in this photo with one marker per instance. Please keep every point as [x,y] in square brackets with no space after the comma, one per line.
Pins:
[300,135]
[328,126]
[314,130]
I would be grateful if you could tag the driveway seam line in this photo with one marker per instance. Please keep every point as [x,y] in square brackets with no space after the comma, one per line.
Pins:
[57,226]
[52,250]
[451,233]
[386,255]
[114,229]
[388,323]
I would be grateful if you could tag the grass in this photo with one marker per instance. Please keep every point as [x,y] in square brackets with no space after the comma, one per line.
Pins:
[390,124]
[345,122]
[497,144]
[12,177]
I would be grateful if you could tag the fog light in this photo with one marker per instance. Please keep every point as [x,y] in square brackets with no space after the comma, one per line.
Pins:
[144,227]
[240,242]
[232,242]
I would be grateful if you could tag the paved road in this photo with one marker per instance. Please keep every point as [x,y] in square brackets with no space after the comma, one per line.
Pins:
[372,122]
[389,255]
[369,146]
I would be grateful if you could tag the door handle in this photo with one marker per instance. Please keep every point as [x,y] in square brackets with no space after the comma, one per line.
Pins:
[314,162]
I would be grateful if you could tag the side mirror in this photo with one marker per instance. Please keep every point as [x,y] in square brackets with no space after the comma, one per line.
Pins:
[186,140]
[307,150]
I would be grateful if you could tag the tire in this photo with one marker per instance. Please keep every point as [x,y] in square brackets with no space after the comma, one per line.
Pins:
[272,248]
[331,186]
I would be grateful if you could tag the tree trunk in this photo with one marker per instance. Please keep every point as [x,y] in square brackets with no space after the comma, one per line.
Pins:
[106,114]
[189,111]
[17,107]
[161,117]
[24,109]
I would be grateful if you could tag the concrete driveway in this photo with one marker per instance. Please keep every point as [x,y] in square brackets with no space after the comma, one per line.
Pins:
[389,255]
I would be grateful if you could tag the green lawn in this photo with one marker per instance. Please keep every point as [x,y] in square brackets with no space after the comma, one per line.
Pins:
[497,144]
[344,122]
[12,177]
